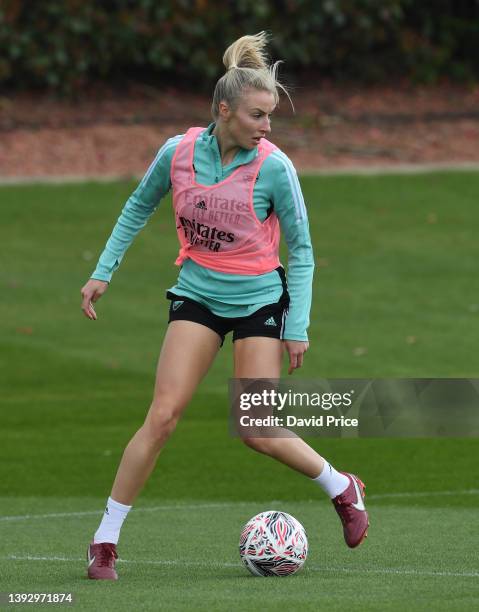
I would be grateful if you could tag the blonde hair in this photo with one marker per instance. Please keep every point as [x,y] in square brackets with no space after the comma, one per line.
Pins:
[246,66]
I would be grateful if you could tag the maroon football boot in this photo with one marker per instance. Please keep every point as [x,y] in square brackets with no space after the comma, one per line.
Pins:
[352,512]
[101,561]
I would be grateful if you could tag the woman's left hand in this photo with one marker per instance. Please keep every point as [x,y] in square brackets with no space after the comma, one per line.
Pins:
[296,350]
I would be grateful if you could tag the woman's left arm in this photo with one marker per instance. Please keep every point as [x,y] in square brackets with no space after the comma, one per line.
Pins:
[291,211]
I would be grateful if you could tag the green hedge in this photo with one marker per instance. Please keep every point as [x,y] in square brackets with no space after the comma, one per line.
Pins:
[64,44]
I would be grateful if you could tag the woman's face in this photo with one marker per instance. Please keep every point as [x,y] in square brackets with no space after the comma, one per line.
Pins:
[251,120]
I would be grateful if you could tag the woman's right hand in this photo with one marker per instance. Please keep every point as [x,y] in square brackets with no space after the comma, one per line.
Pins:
[92,292]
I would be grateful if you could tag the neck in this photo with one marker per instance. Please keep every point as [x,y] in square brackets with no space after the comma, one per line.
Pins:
[227,146]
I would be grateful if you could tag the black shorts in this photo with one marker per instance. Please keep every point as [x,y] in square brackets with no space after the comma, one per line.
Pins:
[267,321]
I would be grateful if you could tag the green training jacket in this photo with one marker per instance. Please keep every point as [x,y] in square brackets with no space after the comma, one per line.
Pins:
[228,295]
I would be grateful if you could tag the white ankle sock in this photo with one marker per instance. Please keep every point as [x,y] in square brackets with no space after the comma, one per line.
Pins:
[109,529]
[332,482]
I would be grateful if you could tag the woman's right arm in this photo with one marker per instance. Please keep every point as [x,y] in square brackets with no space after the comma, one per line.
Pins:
[134,216]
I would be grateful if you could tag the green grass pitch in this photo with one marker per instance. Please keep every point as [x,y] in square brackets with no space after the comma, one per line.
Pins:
[395,296]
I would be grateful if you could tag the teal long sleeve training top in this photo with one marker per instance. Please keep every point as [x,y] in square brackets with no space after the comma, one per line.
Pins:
[228,295]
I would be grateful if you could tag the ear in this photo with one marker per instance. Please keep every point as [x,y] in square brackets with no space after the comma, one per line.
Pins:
[224,110]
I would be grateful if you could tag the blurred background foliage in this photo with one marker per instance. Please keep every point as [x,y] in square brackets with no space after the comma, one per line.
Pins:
[65,45]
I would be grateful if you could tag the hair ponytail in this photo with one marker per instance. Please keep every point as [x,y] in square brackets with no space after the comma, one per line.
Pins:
[247,65]
[247,52]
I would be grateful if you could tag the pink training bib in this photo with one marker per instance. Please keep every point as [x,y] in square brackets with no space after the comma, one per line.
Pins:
[216,224]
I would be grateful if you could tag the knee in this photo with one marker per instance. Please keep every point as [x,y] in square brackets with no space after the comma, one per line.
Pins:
[162,417]
[260,445]
[160,424]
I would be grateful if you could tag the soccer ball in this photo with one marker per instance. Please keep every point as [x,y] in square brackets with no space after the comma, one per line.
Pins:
[273,543]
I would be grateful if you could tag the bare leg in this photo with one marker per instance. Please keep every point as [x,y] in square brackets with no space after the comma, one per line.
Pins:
[258,357]
[187,353]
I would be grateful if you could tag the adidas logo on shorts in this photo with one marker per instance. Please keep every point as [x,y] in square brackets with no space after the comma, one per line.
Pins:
[271,322]
[177,304]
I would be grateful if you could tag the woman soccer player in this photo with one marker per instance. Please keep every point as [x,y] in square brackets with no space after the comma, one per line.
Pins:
[232,191]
